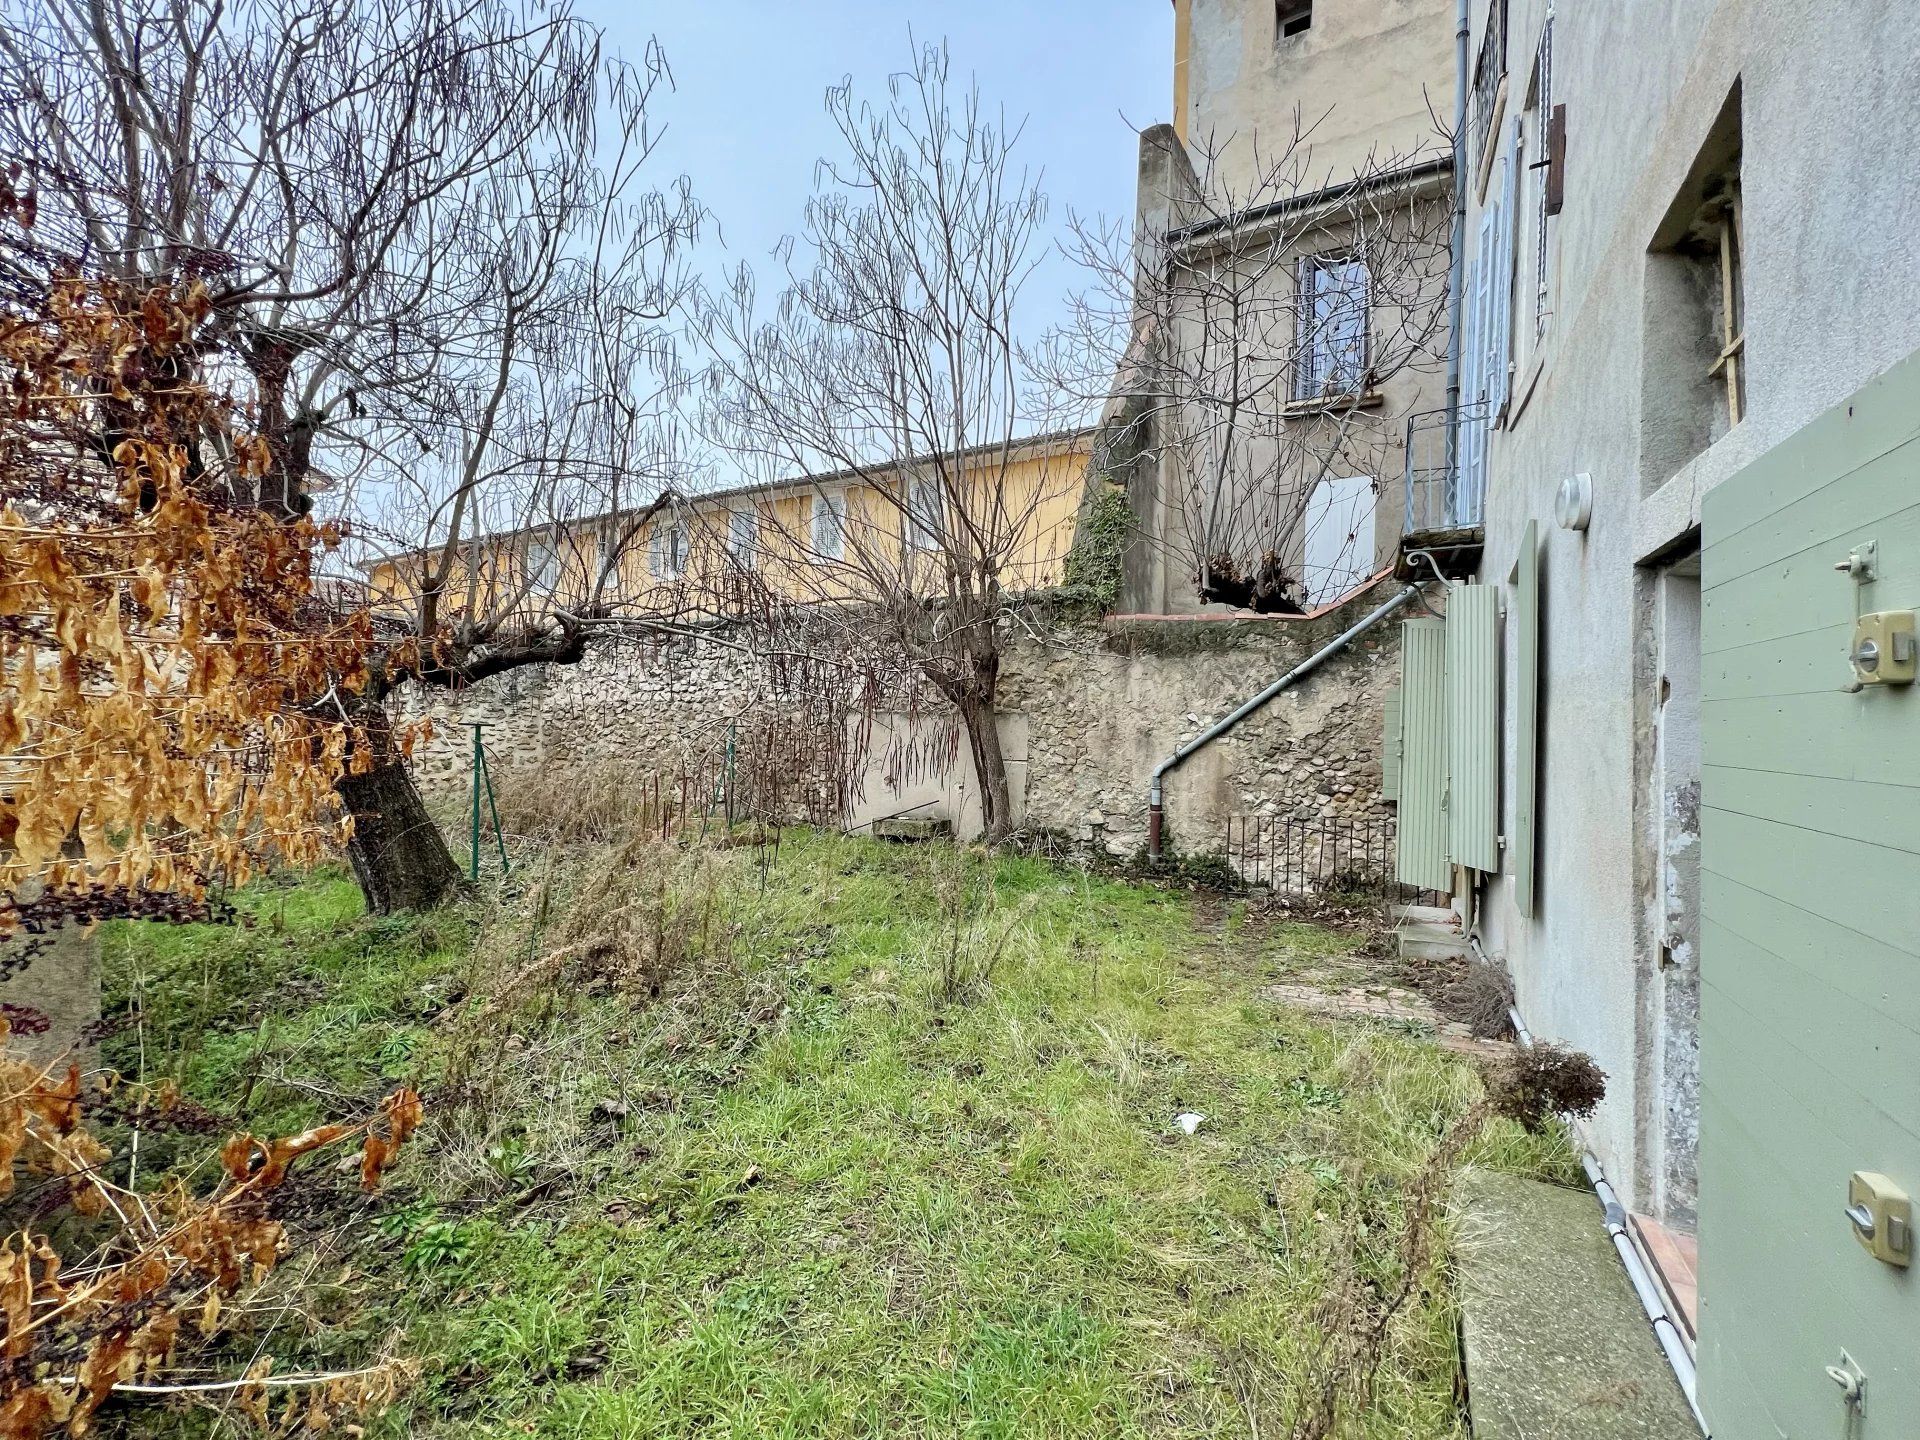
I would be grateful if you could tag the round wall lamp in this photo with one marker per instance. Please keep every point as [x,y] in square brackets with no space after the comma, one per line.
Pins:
[1573,506]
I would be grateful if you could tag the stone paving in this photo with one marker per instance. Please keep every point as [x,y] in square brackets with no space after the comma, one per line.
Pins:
[1384,1004]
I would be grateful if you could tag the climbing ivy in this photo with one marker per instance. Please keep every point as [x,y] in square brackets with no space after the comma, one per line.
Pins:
[1093,564]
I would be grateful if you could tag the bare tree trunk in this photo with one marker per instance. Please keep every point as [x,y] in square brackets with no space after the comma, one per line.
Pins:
[398,854]
[989,768]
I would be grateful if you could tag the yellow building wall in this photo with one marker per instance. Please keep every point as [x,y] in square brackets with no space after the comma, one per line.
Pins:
[1043,490]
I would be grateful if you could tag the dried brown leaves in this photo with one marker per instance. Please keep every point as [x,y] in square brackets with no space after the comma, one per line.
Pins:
[74,1330]
[166,671]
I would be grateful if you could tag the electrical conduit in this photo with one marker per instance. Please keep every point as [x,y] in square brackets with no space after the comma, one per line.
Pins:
[1665,1328]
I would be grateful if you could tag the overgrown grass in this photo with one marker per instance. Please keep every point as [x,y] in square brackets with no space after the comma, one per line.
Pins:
[794,1180]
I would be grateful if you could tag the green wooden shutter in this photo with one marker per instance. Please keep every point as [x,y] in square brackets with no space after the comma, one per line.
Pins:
[1810,954]
[1420,854]
[1526,714]
[1390,745]
[1473,726]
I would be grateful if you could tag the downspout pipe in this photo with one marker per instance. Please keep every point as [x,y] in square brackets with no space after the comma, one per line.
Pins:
[1666,1329]
[1155,815]
[1457,266]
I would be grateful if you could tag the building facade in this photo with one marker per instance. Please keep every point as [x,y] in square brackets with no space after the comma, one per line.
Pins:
[1686,464]
[812,539]
[1289,284]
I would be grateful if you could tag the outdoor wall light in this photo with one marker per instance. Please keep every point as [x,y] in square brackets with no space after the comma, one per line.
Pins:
[1573,506]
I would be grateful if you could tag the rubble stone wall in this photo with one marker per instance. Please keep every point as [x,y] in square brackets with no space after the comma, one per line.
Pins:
[1103,703]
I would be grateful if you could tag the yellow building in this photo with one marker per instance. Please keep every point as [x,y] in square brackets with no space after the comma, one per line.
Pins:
[831,537]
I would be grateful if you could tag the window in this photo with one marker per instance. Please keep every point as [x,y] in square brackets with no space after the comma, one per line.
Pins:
[1694,382]
[1489,69]
[926,520]
[543,565]
[1335,300]
[1293,17]
[743,535]
[1548,128]
[667,550]
[830,526]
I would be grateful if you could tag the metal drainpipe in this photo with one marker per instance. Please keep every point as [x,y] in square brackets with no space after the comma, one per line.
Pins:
[1665,1328]
[1155,816]
[1457,268]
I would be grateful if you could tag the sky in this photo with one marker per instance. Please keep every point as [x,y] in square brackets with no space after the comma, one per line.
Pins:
[746,118]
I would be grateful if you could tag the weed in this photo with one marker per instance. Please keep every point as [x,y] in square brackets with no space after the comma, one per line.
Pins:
[440,1245]
[763,1162]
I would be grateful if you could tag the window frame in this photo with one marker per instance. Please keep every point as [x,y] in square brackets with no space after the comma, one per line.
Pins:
[542,574]
[1727,366]
[1312,342]
[834,508]
[1291,12]
[667,550]
[743,549]
[924,514]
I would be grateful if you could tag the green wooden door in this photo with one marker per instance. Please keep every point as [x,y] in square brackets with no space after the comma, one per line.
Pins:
[1810,1000]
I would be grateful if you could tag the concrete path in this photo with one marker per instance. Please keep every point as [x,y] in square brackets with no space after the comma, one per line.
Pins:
[1557,1345]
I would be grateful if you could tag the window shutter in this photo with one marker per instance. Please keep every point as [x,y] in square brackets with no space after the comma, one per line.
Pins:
[1305,301]
[1473,726]
[1390,745]
[1526,718]
[1420,844]
[1556,160]
[1501,354]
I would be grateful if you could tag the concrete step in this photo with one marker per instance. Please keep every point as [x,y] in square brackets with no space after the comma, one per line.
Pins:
[1426,915]
[1556,1343]
[1431,942]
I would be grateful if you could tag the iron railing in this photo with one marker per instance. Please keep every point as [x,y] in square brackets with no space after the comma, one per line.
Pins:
[1490,67]
[1445,479]
[1290,856]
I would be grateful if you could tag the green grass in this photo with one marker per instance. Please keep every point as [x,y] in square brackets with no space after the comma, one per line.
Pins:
[870,1210]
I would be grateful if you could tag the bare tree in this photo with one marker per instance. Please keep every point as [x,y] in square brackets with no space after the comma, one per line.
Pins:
[1261,329]
[422,234]
[891,366]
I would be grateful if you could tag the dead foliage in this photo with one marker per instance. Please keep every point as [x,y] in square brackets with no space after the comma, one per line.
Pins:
[136,1277]
[629,948]
[162,652]
[1538,1082]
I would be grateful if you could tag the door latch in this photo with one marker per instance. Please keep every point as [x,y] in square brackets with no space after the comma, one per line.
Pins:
[1882,1217]
[1852,1381]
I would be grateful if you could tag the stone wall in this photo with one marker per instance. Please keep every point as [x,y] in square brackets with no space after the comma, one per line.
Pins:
[1105,704]
[1091,708]
[656,706]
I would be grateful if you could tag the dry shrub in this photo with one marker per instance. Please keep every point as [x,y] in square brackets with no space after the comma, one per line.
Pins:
[976,929]
[597,962]
[1532,1084]
[595,802]
[110,1291]
[1479,994]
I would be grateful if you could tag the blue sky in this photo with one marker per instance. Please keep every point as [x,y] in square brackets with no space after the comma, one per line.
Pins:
[746,119]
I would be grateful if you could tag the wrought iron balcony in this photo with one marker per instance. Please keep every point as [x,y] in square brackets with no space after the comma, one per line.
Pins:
[1445,487]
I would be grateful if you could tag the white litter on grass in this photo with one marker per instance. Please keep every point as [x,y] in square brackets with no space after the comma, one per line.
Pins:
[1188,1121]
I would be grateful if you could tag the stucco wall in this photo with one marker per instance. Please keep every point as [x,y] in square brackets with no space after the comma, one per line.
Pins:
[1832,227]
[1360,79]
